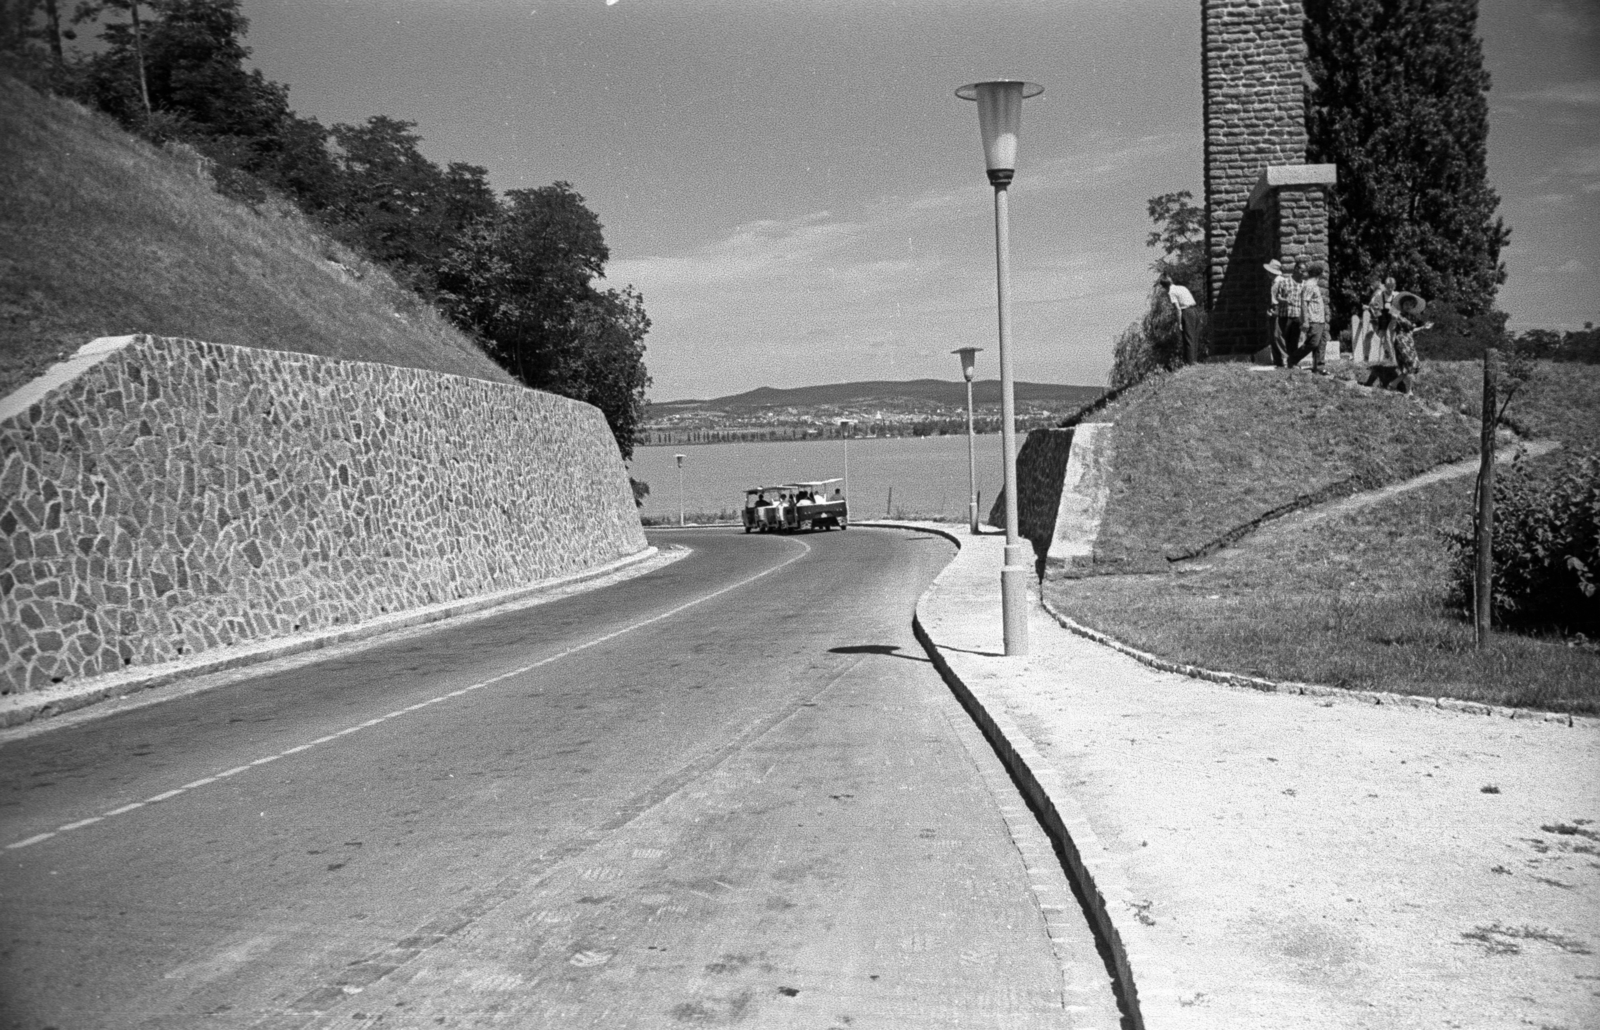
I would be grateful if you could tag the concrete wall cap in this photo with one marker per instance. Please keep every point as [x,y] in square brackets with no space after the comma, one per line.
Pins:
[1274,176]
[60,374]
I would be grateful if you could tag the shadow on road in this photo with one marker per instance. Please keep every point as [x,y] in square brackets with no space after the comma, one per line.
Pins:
[891,650]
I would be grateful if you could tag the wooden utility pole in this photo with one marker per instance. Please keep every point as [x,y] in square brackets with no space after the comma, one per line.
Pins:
[1483,576]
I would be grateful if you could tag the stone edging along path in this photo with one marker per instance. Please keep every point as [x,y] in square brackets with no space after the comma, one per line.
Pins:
[1099,886]
[1376,697]
[17,709]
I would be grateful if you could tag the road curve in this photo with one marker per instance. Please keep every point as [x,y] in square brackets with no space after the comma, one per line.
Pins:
[732,790]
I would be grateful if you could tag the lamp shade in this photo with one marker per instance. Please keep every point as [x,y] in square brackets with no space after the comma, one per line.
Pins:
[969,361]
[1000,117]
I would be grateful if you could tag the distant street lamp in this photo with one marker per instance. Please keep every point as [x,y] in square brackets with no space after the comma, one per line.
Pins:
[1000,124]
[679,459]
[969,366]
[844,431]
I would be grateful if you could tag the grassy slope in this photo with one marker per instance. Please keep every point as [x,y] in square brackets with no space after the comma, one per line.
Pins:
[1360,599]
[1208,449]
[104,235]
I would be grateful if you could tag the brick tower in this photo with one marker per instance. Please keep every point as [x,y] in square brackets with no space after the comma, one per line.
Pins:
[1264,200]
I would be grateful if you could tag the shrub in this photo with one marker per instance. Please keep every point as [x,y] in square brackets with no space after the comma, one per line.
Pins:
[1458,337]
[1546,549]
[1151,344]
[1133,357]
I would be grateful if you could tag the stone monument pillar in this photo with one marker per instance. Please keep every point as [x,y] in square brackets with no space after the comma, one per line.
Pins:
[1263,200]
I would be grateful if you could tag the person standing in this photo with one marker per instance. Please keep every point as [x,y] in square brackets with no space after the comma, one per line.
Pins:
[1314,319]
[1279,308]
[1188,321]
[1381,312]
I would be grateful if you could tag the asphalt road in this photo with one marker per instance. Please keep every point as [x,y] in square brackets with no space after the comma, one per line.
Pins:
[731,790]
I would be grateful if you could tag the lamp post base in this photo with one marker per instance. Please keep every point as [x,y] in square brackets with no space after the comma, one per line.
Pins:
[1014,598]
[972,517]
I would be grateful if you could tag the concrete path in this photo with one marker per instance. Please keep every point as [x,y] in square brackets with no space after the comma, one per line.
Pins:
[1270,859]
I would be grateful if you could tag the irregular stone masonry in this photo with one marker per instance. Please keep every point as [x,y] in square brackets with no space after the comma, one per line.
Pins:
[1253,76]
[182,496]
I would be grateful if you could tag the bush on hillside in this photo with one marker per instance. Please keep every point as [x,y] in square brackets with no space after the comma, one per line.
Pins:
[1151,344]
[1133,358]
[1575,346]
[1459,337]
[1546,547]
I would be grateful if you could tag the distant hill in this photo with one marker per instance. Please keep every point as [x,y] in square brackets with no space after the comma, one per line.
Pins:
[102,234]
[911,393]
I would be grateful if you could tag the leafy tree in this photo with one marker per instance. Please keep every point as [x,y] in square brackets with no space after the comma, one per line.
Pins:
[190,57]
[118,76]
[24,22]
[1398,104]
[398,206]
[1181,234]
[1152,343]
[522,282]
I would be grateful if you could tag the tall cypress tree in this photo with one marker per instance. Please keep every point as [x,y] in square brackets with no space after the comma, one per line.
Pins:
[1398,102]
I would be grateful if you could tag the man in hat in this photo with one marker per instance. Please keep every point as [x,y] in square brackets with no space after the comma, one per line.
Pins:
[1285,327]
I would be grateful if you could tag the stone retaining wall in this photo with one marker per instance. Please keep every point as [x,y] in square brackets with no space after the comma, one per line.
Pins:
[1041,468]
[162,496]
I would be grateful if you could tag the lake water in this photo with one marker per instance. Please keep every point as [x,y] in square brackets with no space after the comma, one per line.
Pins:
[928,475]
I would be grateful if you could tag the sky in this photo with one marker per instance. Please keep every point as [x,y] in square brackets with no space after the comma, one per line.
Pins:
[800,197]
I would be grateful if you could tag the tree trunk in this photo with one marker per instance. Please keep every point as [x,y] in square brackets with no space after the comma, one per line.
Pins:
[1483,577]
[52,25]
[138,53]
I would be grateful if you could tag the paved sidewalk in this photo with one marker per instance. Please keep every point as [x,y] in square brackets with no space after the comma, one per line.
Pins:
[1272,859]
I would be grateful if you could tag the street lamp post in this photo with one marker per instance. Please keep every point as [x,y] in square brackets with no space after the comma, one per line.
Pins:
[844,431]
[679,459]
[969,366]
[1000,124]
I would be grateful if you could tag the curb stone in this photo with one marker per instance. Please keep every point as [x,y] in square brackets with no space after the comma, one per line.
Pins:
[1099,882]
[17,709]
[1376,697]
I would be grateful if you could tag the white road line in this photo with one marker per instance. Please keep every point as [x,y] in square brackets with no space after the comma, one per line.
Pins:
[31,840]
[805,550]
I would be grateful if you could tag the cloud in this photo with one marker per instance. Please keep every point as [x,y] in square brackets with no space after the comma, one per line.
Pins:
[1582,93]
[1570,267]
[1099,157]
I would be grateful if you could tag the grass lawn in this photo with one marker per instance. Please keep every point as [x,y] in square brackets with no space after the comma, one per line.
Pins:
[102,234]
[1203,452]
[1359,598]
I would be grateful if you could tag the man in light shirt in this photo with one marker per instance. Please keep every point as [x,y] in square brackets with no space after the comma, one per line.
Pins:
[1188,321]
[1314,316]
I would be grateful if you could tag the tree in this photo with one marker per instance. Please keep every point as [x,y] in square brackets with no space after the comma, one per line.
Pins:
[1153,343]
[119,78]
[1181,234]
[1398,102]
[399,207]
[20,26]
[521,281]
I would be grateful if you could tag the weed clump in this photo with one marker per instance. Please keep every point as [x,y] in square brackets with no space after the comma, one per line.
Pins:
[1546,547]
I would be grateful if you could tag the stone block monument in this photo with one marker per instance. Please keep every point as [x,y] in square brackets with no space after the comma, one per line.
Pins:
[1263,199]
